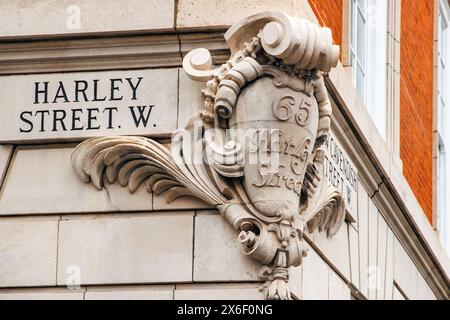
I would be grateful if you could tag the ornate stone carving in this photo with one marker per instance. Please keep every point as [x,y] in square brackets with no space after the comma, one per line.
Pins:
[254,151]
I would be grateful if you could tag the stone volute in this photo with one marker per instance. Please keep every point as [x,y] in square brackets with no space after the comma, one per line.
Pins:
[254,151]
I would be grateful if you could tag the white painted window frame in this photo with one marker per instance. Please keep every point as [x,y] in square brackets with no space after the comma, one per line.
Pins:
[358,64]
[390,128]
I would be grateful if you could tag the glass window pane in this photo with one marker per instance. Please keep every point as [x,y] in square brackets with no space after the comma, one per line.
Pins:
[353,64]
[360,83]
[363,6]
[361,40]
[441,177]
[377,63]
[441,36]
[442,117]
[443,222]
[353,25]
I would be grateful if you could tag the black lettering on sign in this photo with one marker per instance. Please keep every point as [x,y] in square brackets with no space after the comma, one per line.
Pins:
[110,116]
[42,113]
[114,88]
[92,118]
[141,117]
[96,98]
[61,93]
[82,90]
[134,86]
[62,116]
[38,91]
[29,122]
[349,195]
[76,119]
[59,118]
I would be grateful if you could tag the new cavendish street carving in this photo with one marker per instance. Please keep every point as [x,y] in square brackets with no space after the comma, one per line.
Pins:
[255,151]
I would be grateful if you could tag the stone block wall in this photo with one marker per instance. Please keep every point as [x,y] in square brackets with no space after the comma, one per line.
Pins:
[56,230]
[63,239]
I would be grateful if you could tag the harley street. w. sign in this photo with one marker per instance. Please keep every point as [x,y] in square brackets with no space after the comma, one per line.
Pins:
[74,106]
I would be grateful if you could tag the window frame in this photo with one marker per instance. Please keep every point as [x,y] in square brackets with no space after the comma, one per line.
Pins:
[390,126]
[354,50]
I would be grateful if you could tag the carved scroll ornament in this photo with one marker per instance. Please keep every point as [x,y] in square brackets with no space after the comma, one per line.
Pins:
[254,151]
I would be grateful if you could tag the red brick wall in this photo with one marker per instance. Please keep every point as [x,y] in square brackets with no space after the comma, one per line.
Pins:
[416,94]
[329,13]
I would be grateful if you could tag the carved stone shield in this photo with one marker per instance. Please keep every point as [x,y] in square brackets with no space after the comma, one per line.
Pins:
[279,120]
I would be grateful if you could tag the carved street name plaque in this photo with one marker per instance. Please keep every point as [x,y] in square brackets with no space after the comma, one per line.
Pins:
[74,106]
[341,173]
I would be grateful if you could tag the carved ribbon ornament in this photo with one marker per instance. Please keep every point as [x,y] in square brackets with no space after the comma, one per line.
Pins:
[254,151]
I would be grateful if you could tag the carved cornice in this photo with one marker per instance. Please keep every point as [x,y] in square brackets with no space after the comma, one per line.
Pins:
[255,150]
[109,52]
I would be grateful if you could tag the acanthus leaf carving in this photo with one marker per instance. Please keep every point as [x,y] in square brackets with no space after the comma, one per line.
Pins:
[272,86]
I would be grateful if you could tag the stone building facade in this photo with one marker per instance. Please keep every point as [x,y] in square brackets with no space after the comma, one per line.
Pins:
[148,221]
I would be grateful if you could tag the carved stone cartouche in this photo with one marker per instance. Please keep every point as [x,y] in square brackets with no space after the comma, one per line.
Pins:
[254,151]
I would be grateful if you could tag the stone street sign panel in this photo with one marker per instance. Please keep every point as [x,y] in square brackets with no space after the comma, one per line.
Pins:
[341,173]
[75,106]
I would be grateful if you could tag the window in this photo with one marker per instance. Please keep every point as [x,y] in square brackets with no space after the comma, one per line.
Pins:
[368,56]
[443,131]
